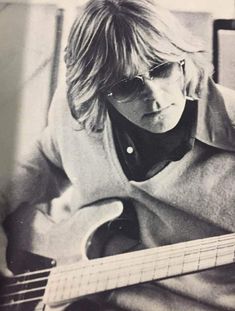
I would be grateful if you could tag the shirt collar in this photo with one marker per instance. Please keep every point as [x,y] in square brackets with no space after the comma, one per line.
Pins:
[214,126]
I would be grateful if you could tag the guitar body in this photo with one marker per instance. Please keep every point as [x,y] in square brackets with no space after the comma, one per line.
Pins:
[36,242]
[56,269]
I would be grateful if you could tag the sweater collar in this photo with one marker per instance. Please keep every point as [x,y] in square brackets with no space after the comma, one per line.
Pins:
[213,125]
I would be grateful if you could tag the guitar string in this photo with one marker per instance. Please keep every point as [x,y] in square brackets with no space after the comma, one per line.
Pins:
[160,249]
[25,282]
[91,263]
[41,297]
[148,264]
[110,259]
[76,266]
[13,303]
[56,276]
[35,289]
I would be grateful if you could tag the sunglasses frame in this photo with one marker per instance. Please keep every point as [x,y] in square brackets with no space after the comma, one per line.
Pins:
[142,77]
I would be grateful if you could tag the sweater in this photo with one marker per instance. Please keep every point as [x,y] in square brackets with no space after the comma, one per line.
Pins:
[191,198]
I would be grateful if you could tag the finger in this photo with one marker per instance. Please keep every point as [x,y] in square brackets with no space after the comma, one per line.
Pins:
[4,271]
[7,273]
[3,246]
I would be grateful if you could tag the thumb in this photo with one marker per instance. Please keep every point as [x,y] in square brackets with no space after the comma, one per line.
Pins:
[3,264]
[6,272]
[3,246]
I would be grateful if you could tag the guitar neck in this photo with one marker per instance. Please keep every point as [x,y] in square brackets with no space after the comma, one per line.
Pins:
[72,281]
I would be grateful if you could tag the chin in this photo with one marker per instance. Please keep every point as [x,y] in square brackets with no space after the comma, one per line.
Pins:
[164,122]
[161,126]
[169,126]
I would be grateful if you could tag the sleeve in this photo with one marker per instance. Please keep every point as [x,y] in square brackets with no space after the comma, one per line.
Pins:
[38,176]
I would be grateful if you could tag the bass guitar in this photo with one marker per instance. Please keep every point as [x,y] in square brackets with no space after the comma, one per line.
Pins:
[69,275]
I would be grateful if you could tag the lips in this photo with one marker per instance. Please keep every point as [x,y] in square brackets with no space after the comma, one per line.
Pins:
[158,111]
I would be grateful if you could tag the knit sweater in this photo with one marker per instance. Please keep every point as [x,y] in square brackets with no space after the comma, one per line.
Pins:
[191,198]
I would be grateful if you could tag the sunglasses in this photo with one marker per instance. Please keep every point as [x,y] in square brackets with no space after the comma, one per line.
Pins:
[129,88]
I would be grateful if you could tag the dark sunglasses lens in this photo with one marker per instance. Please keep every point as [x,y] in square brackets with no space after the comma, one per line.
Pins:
[162,71]
[127,88]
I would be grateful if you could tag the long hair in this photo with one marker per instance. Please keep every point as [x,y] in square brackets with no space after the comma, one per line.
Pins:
[114,38]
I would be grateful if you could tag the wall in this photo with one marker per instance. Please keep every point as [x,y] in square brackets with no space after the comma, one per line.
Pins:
[27,45]
[27,38]
[218,8]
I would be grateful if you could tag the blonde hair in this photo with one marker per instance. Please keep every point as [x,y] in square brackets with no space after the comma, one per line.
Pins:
[113,38]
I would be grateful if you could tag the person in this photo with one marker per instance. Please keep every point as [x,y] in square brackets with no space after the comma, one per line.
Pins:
[140,119]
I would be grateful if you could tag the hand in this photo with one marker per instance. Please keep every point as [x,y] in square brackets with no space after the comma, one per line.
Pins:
[3,246]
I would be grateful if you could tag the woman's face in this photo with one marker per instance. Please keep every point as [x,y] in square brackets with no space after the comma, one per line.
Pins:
[154,102]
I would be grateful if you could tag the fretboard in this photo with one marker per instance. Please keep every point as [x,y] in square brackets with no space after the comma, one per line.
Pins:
[72,281]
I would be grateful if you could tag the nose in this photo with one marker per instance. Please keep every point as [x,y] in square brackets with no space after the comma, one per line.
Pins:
[153,95]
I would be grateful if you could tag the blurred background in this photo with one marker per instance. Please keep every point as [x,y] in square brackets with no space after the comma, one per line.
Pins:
[33,36]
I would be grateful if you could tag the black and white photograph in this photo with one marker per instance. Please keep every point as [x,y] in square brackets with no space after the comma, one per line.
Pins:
[117,155]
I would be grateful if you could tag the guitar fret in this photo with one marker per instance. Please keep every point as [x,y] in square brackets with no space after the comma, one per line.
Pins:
[139,266]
